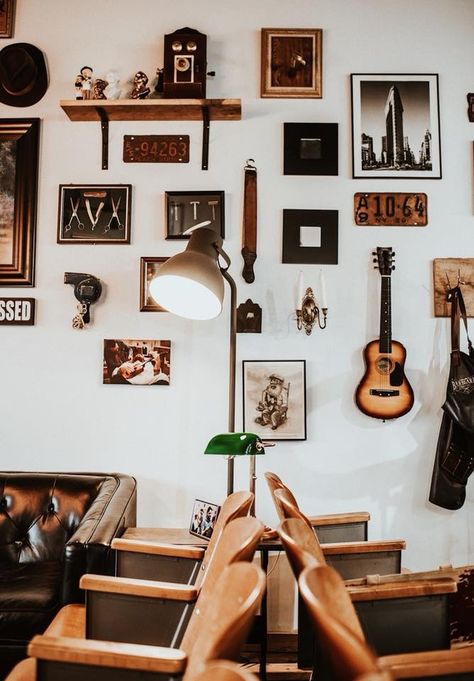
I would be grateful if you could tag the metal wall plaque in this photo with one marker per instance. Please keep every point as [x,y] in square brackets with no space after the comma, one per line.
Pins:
[156,148]
[393,209]
[18,311]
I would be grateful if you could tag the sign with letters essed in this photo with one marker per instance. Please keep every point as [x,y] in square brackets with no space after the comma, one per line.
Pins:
[20,311]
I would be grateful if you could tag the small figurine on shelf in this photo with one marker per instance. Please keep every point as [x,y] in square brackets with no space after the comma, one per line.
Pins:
[98,89]
[112,91]
[140,89]
[78,86]
[159,81]
[86,73]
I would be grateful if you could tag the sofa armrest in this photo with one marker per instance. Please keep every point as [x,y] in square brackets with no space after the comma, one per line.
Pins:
[140,587]
[89,548]
[109,654]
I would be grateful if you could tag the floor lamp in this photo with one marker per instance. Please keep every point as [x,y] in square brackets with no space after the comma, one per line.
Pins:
[191,285]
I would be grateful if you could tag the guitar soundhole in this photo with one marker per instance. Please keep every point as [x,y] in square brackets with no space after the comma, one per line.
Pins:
[384,365]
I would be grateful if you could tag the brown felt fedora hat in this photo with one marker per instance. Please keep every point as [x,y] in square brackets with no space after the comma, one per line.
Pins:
[23,75]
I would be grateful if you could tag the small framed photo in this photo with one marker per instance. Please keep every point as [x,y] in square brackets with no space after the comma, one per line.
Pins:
[94,213]
[395,126]
[310,237]
[291,62]
[310,149]
[203,518]
[7,18]
[148,270]
[136,362]
[186,211]
[274,394]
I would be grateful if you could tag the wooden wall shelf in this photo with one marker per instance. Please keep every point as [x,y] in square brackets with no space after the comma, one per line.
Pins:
[105,110]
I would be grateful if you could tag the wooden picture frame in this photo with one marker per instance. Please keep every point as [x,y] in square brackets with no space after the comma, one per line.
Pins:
[203,518]
[274,398]
[148,269]
[291,63]
[187,210]
[310,149]
[94,213]
[310,237]
[7,18]
[395,126]
[19,156]
[448,273]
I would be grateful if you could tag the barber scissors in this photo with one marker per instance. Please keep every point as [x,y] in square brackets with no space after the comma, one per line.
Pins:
[114,215]
[80,225]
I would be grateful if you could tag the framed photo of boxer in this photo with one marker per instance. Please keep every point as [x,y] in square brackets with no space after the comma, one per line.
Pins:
[274,398]
[291,63]
[7,18]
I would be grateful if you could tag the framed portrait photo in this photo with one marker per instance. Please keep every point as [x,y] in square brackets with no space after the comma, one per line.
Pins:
[203,518]
[188,210]
[94,213]
[274,398]
[291,62]
[148,269]
[395,126]
[19,140]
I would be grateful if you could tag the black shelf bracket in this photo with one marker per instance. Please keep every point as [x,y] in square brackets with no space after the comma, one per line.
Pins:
[104,126]
[205,138]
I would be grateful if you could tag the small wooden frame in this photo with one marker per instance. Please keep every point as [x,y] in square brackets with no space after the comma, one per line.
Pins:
[148,270]
[7,18]
[390,209]
[291,62]
[455,269]
[156,149]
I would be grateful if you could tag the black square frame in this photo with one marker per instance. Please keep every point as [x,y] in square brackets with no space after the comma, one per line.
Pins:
[293,252]
[310,149]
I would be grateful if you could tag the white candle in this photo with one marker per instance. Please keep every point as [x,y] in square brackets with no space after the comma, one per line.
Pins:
[322,284]
[299,291]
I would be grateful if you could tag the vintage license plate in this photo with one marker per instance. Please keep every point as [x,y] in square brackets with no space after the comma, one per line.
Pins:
[156,149]
[390,209]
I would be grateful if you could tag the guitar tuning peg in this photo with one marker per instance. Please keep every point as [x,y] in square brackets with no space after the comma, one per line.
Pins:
[393,267]
[393,254]
[375,267]
[374,260]
[374,253]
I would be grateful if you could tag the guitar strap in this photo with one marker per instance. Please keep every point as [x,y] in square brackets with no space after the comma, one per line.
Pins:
[458,311]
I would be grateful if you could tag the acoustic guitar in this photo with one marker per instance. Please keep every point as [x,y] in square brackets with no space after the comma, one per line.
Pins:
[384,392]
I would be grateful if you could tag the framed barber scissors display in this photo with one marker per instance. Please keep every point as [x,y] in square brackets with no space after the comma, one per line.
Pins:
[94,214]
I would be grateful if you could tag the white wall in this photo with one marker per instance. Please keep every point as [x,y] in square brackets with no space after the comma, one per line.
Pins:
[57,415]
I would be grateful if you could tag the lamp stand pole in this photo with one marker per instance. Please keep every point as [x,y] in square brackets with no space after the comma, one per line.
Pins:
[232,364]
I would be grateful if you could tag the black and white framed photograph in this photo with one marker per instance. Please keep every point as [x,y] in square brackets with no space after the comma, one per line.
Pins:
[274,398]
[187,211]
[129,361]
[148,270]
[94,213]
[395,126]
[310,237]
[310,149]
[203,518]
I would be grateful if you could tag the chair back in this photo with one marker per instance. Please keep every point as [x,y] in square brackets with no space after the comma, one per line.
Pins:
[301,545]
[223,670]
[274,484]
[238,542]
[223,627]
[336,623]
[236,505]
[287,506]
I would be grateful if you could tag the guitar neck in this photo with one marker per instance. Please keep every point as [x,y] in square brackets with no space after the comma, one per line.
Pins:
[385,342]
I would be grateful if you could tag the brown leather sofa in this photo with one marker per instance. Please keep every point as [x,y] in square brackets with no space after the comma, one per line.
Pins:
[54,527]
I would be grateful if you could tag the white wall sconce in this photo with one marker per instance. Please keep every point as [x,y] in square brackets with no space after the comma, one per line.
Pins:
[308,311]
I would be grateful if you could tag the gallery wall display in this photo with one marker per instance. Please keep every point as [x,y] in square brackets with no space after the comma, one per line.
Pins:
[7,18]
[136,362]
[19,141]
[188,210]
[148,270]
[448,273]
[291,62]
[310,237]
[310,149]
[274,398]
[390,209]
[395,126]
[94,213]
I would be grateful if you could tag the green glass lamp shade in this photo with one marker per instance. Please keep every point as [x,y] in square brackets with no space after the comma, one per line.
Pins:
[235,444]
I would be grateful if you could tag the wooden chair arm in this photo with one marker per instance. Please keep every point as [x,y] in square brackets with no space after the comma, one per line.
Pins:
[434,663]
[339,518]
[139,587]
[109,654]
[23,671]
[70,621]
[363,547]
[444,571]
[399,589]
[159,548]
